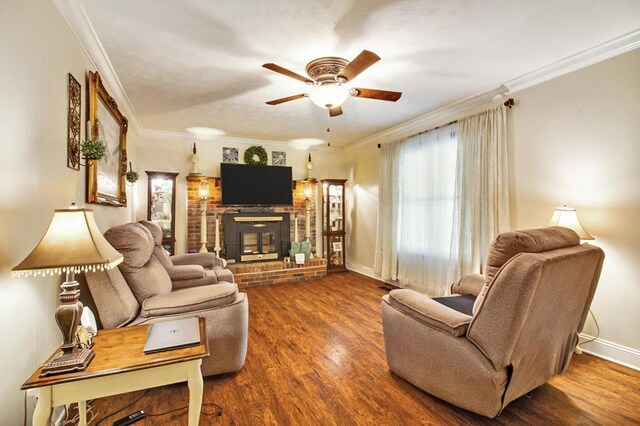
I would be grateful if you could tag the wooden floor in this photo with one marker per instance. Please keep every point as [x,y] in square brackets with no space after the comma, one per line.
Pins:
[316,357]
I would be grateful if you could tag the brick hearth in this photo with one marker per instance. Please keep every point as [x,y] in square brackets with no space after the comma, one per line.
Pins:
[263,273]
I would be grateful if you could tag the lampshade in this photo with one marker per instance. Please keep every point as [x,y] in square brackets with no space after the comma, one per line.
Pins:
[568,218]
[329,95]
[73,243]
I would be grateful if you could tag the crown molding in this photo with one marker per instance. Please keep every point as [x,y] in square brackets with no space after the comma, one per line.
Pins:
[424,122]
[76,16]
[580,60]
[152,134]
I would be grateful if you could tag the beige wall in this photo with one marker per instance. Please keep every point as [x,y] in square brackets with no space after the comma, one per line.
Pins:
[362,208]
[37,50]
[574,140]
[577,142]
[174,155]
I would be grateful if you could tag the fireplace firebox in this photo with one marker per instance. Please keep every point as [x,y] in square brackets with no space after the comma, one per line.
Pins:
[256,236]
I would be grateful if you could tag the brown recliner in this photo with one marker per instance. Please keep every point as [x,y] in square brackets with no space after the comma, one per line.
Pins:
[522,328]
[140,291]
[188,270]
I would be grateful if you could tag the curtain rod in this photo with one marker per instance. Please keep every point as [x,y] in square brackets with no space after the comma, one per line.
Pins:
[509,103]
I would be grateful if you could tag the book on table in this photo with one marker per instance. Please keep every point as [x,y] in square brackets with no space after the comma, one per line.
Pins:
[172,334]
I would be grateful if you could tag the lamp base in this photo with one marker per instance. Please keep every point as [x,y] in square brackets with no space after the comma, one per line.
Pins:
[76,360]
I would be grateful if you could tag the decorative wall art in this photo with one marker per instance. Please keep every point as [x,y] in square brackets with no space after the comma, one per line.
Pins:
[229,155]
[106,178]
[278,158]
[73,124]
[256,156]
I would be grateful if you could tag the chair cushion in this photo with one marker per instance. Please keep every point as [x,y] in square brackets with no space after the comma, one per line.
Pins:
[436,315]
[508,244]
[116,304]
[133,241]
[154,228]
[190,300]
[223,274]
[463,304]
[143,272]
[207,278]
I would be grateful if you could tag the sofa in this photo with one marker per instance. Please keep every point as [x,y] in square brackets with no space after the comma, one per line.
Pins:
[141,291]
[505,333]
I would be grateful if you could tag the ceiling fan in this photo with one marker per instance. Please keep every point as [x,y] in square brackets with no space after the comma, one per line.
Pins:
[328,76]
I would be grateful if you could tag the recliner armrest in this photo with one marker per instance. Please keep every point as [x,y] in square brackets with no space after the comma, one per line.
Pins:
[469,284]
[429,312]
[186,272]
[206,260]
[190,300]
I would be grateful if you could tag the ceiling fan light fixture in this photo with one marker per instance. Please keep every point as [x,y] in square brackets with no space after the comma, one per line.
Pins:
[329,95]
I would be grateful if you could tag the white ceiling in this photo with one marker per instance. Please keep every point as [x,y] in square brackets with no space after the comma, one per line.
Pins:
[198,63]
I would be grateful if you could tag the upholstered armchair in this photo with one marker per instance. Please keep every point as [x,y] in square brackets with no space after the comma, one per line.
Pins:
[516,329]
[140,291]
[188,270]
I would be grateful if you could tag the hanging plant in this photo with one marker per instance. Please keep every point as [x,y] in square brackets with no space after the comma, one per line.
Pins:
[256,156]
[93,149]
[132,177]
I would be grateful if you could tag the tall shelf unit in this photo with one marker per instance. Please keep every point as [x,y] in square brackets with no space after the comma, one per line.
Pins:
[161,206]
[333,224]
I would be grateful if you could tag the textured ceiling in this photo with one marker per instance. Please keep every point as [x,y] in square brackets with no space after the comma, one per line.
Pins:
[198,63]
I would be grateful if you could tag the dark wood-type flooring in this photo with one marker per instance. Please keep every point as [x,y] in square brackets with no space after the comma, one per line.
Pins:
[316,357]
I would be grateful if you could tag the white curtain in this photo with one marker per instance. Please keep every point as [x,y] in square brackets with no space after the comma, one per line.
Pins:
[386,255]
[417,192]
[443,198]
[482,190]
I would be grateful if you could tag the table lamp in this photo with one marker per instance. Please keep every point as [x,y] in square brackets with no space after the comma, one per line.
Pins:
[72,244]
[568,218]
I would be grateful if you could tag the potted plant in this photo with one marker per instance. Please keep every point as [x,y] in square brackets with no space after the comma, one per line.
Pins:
[93,149]
[132,177]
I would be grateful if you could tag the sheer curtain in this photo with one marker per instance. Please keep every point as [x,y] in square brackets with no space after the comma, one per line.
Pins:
[443,198]
[417,191]
[482,190]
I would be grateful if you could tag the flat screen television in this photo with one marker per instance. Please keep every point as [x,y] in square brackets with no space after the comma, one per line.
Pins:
[248,185]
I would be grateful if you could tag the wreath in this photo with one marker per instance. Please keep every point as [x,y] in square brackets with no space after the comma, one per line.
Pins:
[256,156]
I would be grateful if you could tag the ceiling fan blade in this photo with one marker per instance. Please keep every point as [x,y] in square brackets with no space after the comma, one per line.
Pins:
[335,111]
[383,95]
[287,99]
[284,71]
[363,61]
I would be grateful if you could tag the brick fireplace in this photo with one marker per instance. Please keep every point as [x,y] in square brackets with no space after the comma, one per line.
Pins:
[216,210]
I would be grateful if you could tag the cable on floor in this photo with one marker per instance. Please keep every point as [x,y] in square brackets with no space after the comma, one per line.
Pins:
[122,409]
[217,412]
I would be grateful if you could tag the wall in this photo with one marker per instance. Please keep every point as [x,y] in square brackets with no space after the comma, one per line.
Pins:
[574,140]
[37,50]
[577,142]
[174,155]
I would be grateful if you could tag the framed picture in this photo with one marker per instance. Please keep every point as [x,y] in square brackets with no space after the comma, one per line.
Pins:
[229,155]
[278,158]
[106,178]
[337,245]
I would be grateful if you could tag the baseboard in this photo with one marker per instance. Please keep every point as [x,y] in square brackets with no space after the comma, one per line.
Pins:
[364,270]
[612,352]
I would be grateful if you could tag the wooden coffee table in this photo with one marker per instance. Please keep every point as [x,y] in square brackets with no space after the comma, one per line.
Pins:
[121,366]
